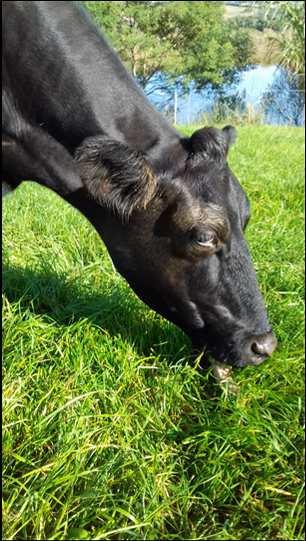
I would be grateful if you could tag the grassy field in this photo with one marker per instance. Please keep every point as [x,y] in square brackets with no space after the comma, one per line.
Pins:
[109,430]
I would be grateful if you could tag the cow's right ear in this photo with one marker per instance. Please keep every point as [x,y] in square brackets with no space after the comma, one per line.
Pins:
[115,175]
[212,143]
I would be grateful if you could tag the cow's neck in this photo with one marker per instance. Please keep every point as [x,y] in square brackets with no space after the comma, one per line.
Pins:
[81,88]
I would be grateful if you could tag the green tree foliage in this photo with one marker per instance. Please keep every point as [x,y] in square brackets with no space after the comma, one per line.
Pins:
[184,40]
[290,17]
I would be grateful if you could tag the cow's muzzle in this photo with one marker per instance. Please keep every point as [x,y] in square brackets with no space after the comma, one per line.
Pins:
[257,349]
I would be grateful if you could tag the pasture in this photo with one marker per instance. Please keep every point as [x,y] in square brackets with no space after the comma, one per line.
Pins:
[110,430]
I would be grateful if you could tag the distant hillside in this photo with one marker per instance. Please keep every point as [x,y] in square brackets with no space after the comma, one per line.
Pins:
[238,9]
[264,49]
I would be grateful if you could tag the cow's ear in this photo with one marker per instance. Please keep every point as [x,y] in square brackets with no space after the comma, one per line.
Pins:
[115,175]
[230,135]
[212,143]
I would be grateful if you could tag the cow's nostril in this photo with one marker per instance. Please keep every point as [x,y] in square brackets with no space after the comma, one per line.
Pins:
[257,348]
[264,345]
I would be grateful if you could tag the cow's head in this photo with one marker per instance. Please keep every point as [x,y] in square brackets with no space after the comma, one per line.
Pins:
[176,235]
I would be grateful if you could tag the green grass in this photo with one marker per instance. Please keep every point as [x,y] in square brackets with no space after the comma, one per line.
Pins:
[109,430]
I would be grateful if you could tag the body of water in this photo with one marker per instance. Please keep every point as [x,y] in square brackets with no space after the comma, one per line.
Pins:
[269,92]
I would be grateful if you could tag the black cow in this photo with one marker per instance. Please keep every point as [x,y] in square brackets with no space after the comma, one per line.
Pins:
[168,208]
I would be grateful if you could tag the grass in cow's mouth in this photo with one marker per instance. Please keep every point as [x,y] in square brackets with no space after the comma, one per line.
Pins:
[108,431]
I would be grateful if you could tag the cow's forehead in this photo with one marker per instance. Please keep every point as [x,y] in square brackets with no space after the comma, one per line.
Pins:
[215,183]
[210,181]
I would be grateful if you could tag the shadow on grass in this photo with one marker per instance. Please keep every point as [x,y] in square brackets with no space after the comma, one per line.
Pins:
[116,311]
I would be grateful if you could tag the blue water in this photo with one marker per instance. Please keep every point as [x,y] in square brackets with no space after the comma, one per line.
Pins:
[256,81]
[267,89]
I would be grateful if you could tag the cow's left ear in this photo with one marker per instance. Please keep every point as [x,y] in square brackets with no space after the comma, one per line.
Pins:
[115,175]
[230,135]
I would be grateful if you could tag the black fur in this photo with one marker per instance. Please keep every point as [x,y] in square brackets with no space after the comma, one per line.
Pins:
[211,143]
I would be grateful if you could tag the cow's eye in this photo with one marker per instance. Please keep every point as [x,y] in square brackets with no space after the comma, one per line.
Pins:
[246,215]
[197,243]
[205,239]
[246,223]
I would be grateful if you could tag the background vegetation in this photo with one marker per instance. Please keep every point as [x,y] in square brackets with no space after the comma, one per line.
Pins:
[110,429]
[182,41]
[203,42]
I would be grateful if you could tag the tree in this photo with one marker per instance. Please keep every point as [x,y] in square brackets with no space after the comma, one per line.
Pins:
[289,16]
[173,43]
[283,100]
